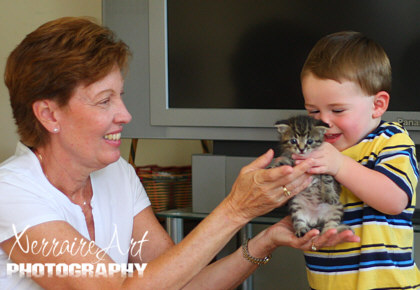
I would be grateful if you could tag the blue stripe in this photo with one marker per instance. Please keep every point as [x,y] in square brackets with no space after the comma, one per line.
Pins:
[397,179]
[383,218]
[410,155]
[386,262]
[352,222]
[337,268]
[329,264]
[357,217]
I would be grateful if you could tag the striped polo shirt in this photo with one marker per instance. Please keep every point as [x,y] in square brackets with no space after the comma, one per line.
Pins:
[383,259]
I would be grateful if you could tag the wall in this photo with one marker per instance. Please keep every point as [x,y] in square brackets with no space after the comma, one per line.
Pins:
[18,18]
[162,152]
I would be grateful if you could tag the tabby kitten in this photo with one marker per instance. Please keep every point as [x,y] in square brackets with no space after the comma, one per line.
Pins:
[318,205]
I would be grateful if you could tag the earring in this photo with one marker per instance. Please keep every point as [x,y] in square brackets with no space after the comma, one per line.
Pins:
[55,130]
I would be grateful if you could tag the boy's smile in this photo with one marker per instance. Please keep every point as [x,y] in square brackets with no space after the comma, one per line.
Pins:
[331,138]
[343,106]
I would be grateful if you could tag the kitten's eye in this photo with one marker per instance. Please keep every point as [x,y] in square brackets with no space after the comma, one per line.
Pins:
[309,141]
[293,141]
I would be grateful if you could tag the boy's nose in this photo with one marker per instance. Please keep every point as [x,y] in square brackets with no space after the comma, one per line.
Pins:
[325,118]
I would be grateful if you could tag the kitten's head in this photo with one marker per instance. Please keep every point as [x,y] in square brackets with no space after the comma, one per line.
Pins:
[301,134]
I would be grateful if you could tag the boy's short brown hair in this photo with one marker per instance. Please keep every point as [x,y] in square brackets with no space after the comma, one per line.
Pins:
[51,62]
[351,56]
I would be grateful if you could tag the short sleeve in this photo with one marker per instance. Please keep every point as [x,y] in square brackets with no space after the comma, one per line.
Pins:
[397,160]
[21,208]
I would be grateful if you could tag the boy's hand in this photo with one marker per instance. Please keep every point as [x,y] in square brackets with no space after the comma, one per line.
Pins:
[327,159]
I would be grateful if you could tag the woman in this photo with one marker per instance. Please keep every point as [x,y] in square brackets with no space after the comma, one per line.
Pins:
[67,198]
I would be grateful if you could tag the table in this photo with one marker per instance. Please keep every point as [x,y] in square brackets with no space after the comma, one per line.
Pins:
[175,227]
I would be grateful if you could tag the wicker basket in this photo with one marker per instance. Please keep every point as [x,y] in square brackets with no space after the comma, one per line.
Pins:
[167,187]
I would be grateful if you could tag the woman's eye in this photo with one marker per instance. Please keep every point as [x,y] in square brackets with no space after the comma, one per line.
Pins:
[104,101]
[338,111]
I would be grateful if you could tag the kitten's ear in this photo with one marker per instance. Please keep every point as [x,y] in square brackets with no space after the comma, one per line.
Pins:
[282,126]
[323,127]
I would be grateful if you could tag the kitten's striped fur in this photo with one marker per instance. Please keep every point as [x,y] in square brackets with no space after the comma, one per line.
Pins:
[318,205]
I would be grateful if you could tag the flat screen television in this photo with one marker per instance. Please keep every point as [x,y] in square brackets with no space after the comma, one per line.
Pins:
[228,70]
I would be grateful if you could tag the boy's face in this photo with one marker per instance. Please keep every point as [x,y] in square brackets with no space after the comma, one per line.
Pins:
[343,106]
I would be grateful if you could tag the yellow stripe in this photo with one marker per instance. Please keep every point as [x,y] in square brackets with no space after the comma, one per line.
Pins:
[377,278]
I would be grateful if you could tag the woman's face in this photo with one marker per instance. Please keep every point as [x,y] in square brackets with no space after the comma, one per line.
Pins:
[91,124]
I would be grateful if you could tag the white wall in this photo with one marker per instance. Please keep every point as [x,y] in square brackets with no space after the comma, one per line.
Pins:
[18,18]
[162,152]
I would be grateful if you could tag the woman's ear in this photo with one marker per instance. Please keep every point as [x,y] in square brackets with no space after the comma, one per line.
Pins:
[44,111]
[380,104]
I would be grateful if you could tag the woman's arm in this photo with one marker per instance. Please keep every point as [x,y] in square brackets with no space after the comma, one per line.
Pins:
[180,263]
[213,276]
[147,228]
[281,234]
[54,243]
[256,191]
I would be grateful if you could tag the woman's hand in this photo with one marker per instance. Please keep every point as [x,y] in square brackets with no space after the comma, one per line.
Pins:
[282,234]
[258,190]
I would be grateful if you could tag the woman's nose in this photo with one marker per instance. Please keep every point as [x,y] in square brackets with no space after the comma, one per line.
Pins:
[122,116]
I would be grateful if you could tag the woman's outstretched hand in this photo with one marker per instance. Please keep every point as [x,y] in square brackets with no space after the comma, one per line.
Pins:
[259,190]
[282,234]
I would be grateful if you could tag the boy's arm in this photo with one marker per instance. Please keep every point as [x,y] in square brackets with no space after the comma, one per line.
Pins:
[371,186]
[374,188]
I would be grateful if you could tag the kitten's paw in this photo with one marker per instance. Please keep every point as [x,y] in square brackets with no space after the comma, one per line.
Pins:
[302,231]
[343,227]
[340,228]
[283,161]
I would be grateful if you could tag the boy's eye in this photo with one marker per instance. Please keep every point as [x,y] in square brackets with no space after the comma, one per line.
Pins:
[338,111]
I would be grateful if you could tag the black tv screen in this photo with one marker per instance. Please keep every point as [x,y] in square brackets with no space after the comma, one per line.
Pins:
[247,54]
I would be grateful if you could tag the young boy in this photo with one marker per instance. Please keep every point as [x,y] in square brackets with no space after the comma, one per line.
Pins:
[346,81]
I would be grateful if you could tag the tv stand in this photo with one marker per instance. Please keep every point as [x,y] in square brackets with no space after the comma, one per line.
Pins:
[214,174]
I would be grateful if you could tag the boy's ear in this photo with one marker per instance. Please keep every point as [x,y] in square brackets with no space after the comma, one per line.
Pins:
[380,104]
[44,111]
